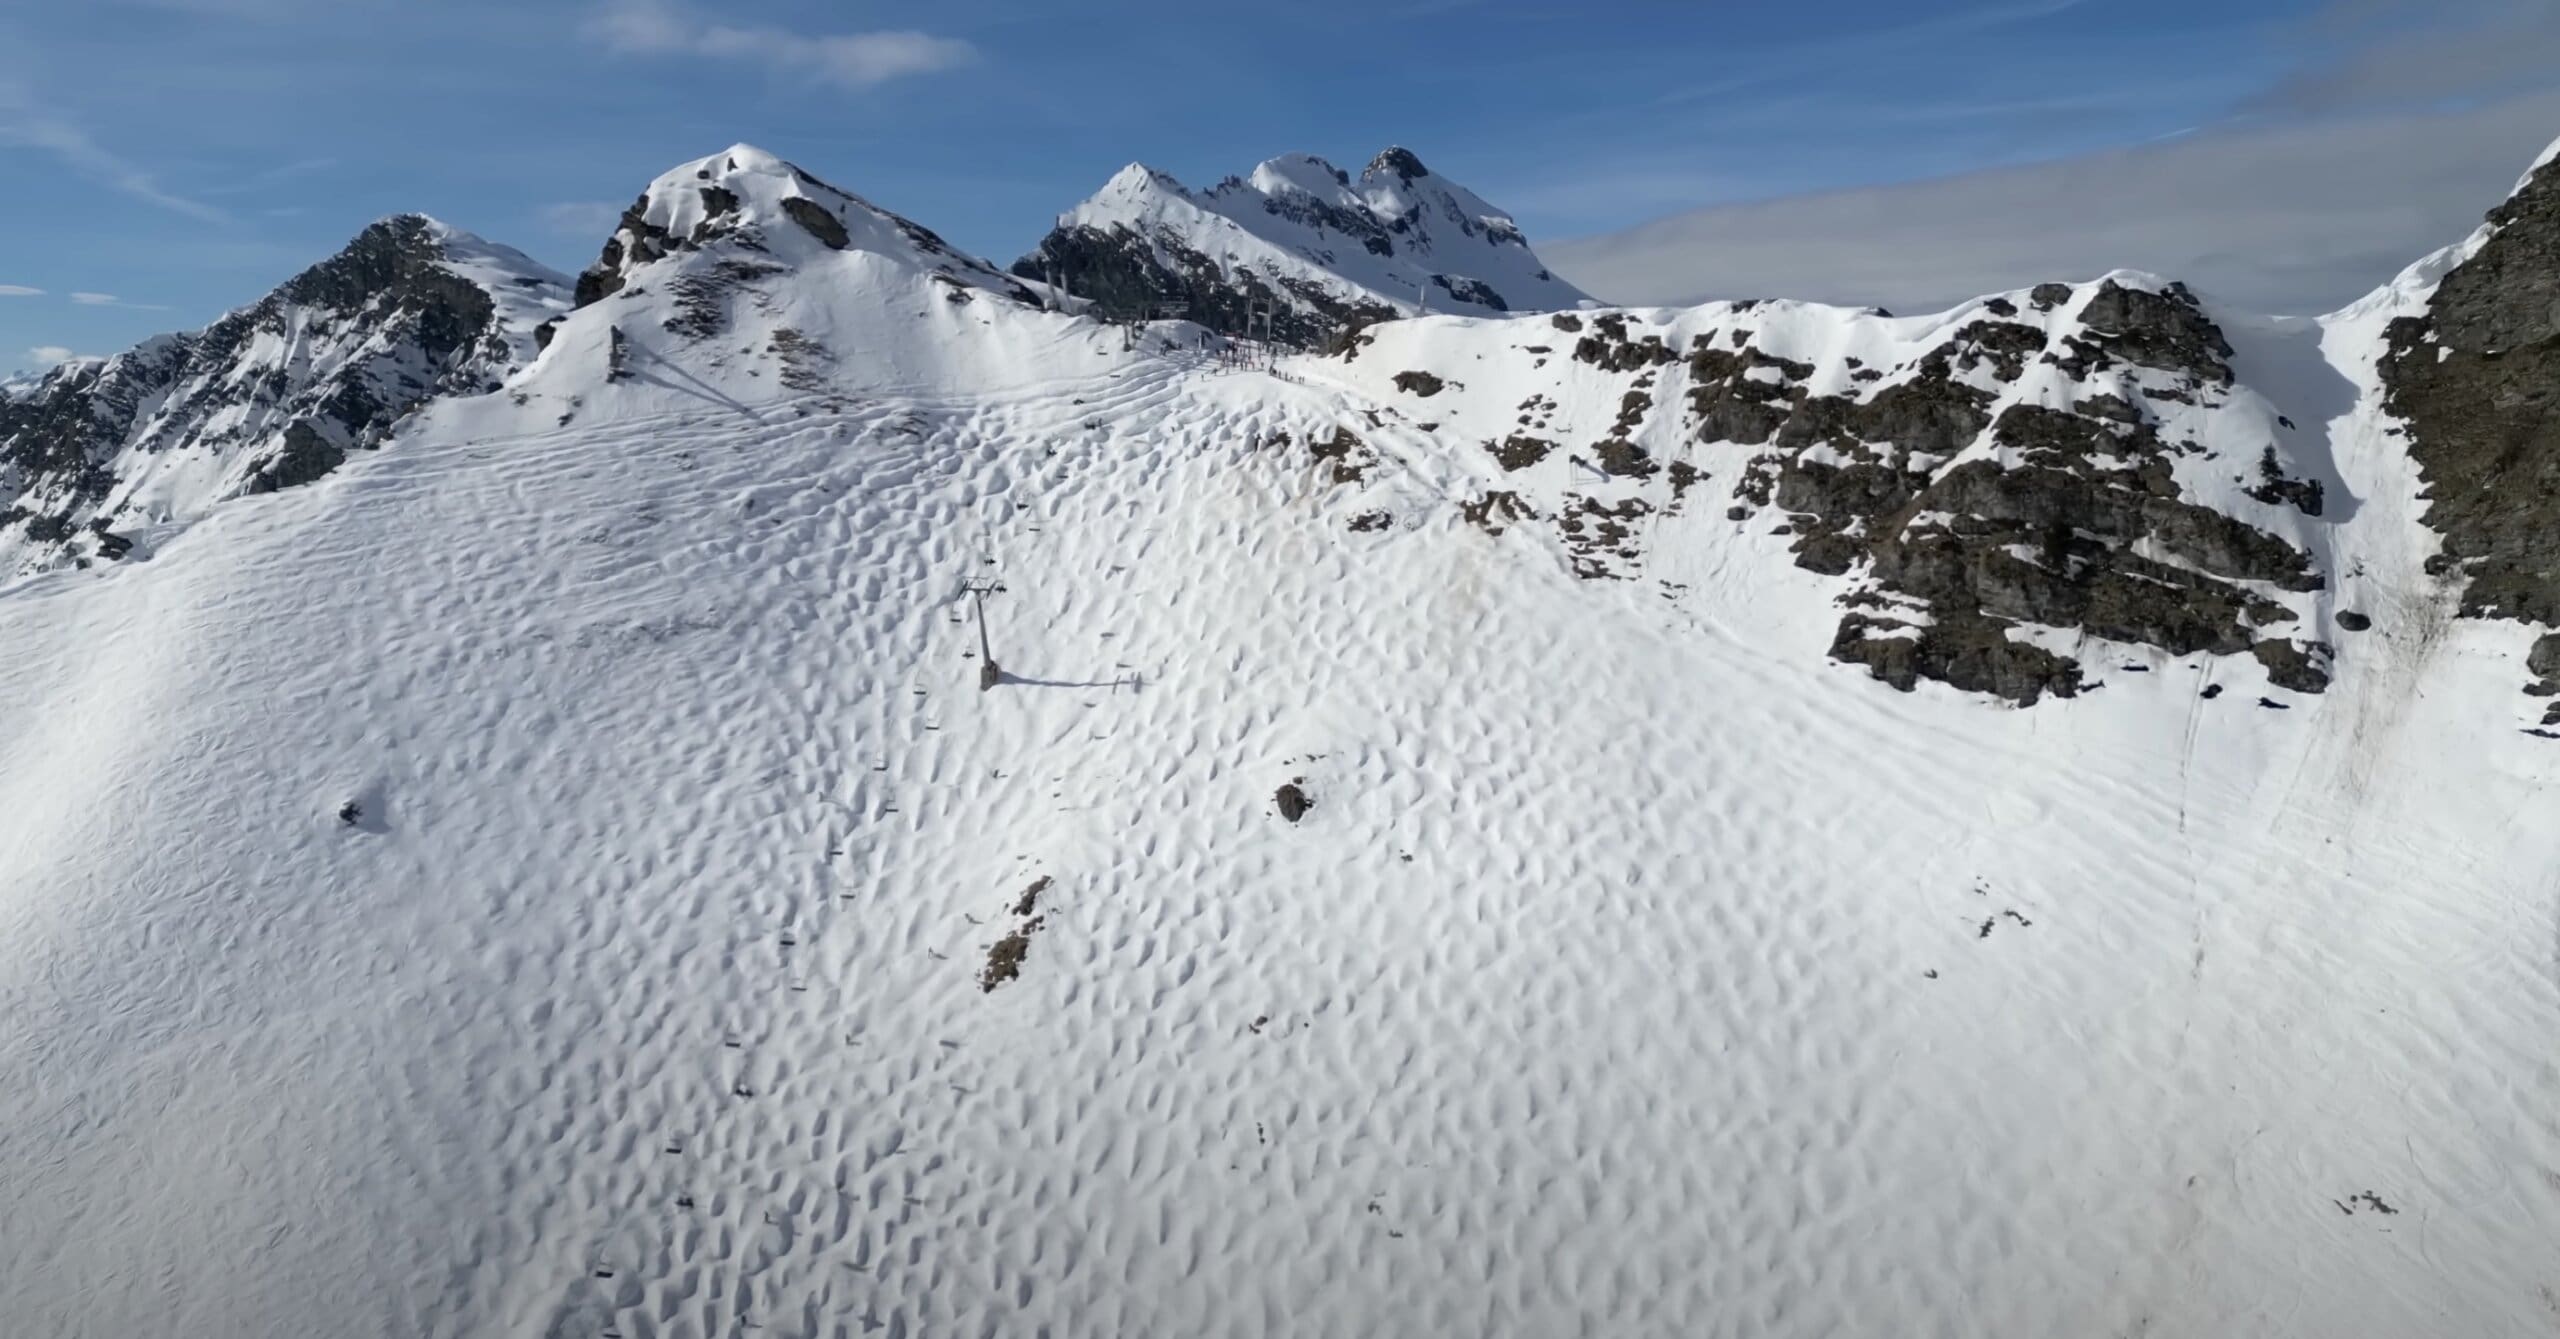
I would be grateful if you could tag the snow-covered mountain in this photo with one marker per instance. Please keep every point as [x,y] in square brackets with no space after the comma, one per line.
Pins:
[754,210]
[102,453]
[1299,242]
[1746,820]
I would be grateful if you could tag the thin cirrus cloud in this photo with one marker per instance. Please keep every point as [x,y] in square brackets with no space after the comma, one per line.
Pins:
[19,291]
[26,122]
[111,300]
[852,60]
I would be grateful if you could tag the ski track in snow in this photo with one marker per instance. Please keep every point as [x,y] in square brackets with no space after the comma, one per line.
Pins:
[1593,996]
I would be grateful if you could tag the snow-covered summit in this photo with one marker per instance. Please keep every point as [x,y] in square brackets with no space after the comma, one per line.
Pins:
[755,202]
[1299,237]
[100,452]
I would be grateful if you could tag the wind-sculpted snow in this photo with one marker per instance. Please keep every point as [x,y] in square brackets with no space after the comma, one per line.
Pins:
[560,875]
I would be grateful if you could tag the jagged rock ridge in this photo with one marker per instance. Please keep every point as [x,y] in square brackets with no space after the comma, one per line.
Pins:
[272,395]
[1997,486]
[1300,242]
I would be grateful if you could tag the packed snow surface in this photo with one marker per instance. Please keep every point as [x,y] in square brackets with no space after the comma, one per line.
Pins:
[541,880]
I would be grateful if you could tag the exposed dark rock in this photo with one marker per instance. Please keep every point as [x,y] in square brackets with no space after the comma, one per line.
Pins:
[1975,655]
[1520,451]
[1731,404]
[1421,384]
[635,241]
[1006,956]
[1683,475]
[1611,348]
[1625,459]
[2166,330]
[2353,621]
[1369,521]
[1597,537]
[2046,297]
[820,221]
[2112,408]
[1350,458]
[1496,511]
[2477,381]
[306,456]
[2005,345]
[2299,668]
[2544,658]
[1131,277]
[1293,800]
[702,296]
[2276,490]
[1981,547]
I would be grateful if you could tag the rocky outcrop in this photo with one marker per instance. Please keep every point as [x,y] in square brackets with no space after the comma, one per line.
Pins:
[2073,519]
[2476,381]
[1124,275]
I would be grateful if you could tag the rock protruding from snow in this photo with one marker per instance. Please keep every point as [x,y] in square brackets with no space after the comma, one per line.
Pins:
[272,395]
[750,204]
[1997,486]
[1300,241]
[2476,381]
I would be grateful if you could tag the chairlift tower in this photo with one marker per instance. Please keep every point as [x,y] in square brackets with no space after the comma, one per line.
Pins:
[988,675]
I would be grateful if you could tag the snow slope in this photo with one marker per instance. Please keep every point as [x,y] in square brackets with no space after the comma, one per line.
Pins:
[542,878]
[1302,238]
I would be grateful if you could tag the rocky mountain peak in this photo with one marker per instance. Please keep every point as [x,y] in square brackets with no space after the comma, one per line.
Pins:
[272,395]
[1396,161]
[1298,249]
[745,199]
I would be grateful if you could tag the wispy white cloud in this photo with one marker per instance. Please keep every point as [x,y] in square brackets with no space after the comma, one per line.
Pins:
[26,123]
[591,219]
[111,300]
[19,291]
[49,355]
[853,60]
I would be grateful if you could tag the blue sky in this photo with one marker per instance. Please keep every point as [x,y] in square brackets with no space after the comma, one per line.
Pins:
[169,159]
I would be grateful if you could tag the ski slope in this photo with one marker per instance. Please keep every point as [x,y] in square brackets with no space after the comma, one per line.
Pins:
[1636,971]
